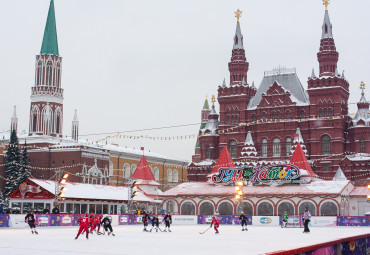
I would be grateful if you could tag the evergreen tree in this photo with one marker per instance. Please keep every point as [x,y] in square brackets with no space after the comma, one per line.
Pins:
[24,169]
[12,167]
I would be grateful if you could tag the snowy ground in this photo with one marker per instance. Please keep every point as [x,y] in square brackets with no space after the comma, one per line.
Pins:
[182,240]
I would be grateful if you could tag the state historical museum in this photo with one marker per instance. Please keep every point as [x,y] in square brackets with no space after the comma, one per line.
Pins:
[262,125]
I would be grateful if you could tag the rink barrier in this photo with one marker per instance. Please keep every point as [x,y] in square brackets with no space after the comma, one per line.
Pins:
[355,245]
[48,220]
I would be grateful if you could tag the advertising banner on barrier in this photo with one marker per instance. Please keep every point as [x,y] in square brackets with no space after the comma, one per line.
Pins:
[42,220]
[17,221]
[266,220]
[355,247]
[353,221]
[223,219]
[184,220]
[293,220]
[4,220]
[54,220]
[323,221]
[324,250]
[74,218]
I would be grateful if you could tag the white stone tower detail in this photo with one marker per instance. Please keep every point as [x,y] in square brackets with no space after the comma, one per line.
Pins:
[75,123]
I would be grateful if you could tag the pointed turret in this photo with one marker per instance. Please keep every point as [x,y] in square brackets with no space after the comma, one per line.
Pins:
[212,124]
[224,83]
[75,124]
[339,175]
[249,152]
[254,87]
[298,139]
[328,55]
[14,121]
[243,82]
[238,66]
[50,40]
[362,109]
[313,76]
[204,119]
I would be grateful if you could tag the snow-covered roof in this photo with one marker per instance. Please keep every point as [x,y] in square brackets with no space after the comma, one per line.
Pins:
[339,175]
[288,79]
[358,157]
[91,191]
[314,188]
[360,191]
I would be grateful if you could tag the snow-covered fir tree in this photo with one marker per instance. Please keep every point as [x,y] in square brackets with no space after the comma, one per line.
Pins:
[12,166]
[24,170]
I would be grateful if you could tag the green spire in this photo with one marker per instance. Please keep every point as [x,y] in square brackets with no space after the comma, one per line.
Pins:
[206,106]
[50,40]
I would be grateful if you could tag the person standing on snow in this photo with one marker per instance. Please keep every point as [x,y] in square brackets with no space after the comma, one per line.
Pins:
[243,220]
[307,219]
[285,220]
[106,223]
[215,223]
[84,222]
[145,220]
[30,219]
[167,220]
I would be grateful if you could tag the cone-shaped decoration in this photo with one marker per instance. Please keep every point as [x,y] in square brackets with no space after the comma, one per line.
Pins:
[142,171]
[224,160]
[299,159]
[249,152]
[339,175]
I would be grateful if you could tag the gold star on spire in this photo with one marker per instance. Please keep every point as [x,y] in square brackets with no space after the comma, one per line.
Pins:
[213,100]
[326,2]
[238,13]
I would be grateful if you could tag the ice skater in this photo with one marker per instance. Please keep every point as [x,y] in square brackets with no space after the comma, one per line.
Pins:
[155,223]
[243,220]
[285,220]
[145,220]
[106,223]
[215,224]
[30,219]
[307,219]
[167,220]
[84,223]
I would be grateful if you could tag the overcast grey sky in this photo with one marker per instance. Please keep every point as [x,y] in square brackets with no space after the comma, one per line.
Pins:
[142,64]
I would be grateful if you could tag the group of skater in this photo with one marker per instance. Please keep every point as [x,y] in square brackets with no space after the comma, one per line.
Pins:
[167,219]
[90,223]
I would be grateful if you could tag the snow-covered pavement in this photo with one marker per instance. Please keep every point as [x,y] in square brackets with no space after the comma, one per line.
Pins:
[182,240]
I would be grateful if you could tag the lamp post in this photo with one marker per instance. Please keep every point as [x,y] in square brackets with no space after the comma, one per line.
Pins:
[132,193]
[60,187]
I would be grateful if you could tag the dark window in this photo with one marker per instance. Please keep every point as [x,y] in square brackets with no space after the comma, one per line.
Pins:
[325,145]
[302,114]
[320,113]
[57,125]
[48,76]
[237,119]
[287,115]
[232,148]
[208,152]
[264,116]
[362,146]
[325,168]
[34,123]
[264,148]
[288,145]
[330,113]
[228,119]
[276,147]
[278,116]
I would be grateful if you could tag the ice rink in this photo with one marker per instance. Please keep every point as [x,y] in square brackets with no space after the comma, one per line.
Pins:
[182,240]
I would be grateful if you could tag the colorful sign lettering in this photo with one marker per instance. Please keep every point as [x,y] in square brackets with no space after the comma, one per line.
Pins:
[262,174]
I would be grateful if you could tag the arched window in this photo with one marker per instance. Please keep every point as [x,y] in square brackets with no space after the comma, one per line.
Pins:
[246,208]
[273,116]
[232,119]
[170,206]
[208,152]
[254,118]
[48,75]
[285,207]
[263,116]
[169,175]
[39,69]
[156,173]
[320,113]
[265,209]
[276,147]
[302,114]
[362,146]
[329,209]
[228,119]
[225,208]
[325,113]
[325,145]
[311,208]
[133,168]
[34,123]
[288,142]
[232,148]
[188,208]
[126,171]
[57,128]
[206,208]
[175,176]
[236,119]
[264,147]
[330,112]
[278,116]
[288,115]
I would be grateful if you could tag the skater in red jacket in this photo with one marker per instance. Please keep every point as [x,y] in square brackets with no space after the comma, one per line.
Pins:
[84,223]
[215,223]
